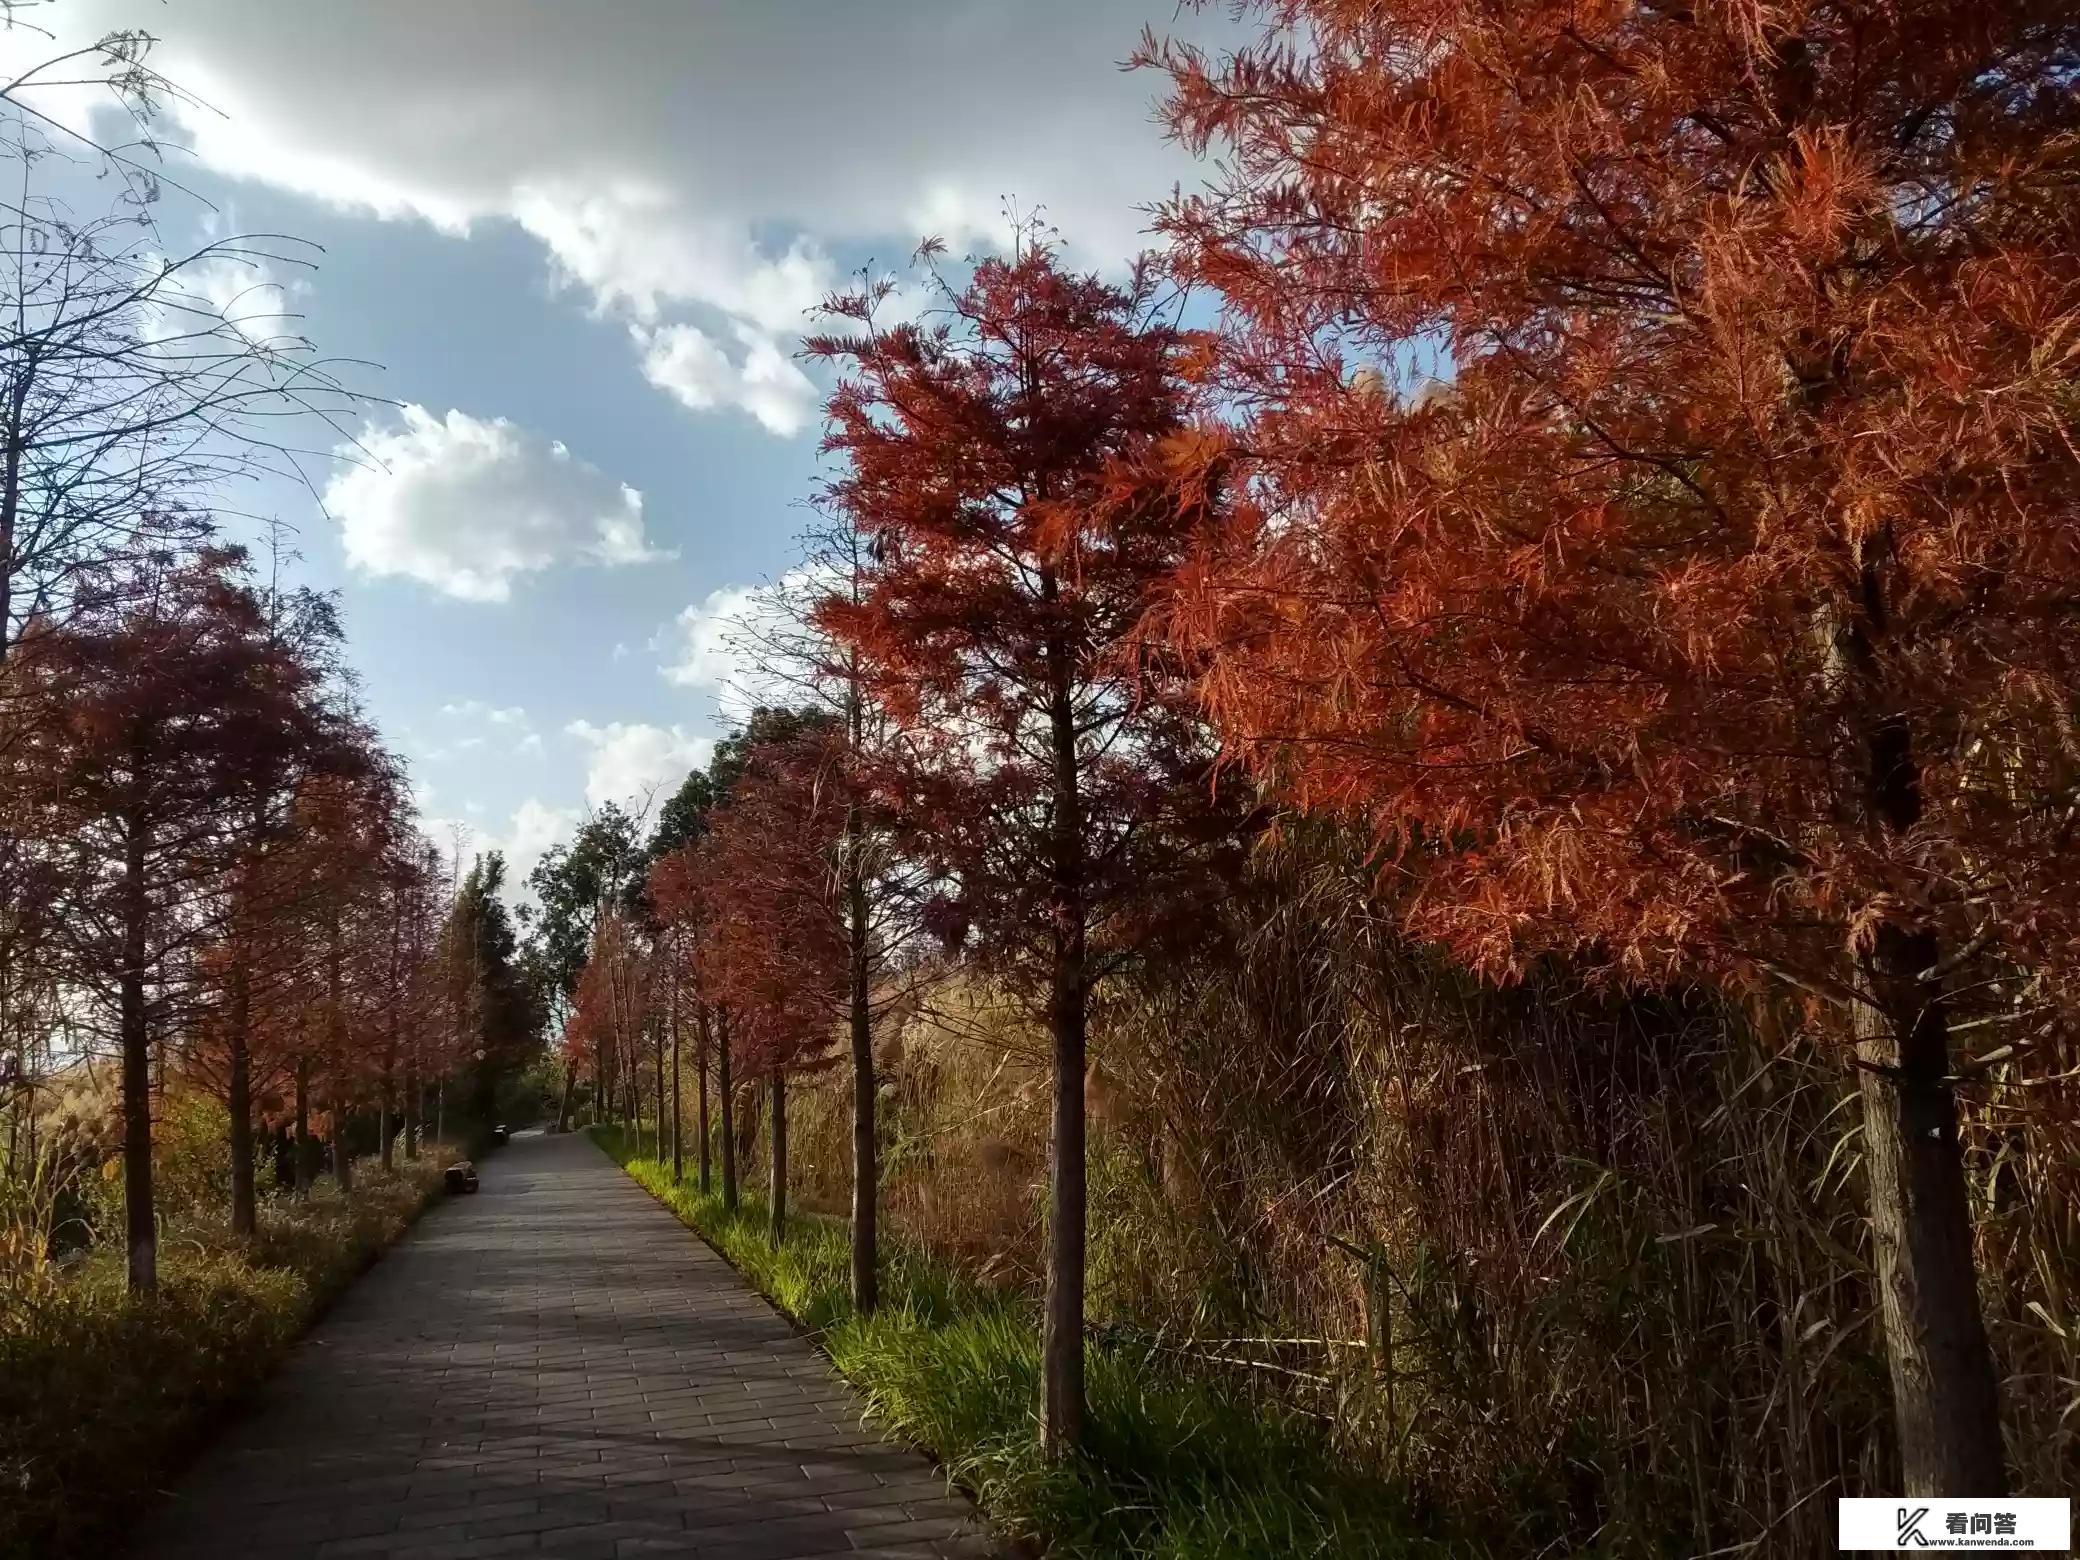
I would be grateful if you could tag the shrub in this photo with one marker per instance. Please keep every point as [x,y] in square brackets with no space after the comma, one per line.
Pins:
[102,1393]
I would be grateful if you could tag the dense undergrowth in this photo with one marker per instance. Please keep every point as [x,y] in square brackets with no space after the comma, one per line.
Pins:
[102,1393]
[1178,1466]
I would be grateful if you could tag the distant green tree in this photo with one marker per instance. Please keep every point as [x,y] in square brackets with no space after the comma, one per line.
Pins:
[769,726]
[684,817]
[574,883]
[498,1020]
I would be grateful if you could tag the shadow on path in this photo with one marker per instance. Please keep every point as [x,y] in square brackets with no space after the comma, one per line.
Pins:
[557,1367]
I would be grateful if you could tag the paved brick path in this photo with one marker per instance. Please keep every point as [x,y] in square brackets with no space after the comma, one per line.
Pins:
[557,1367]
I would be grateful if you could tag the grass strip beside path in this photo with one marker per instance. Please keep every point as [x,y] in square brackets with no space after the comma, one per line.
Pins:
[1177,1466]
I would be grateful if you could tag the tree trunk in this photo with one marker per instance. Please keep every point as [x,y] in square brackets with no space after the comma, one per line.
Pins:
[748,1126]
[1061,1349]
[672,1019]
[700,1068]
[1946,1396]
[245,1211]
[412,1102]
[563,1109]
[336,1038]
[625,1064]
[777,1230]
[394,1028]
[865,1169]
[303,1127]
[1061,1415]
[342,1153]
[723,1092]
[11,490]
[141,1225]
[657,1134]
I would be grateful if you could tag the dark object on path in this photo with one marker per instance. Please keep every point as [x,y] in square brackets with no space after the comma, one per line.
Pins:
[462,1176]
[499,1134]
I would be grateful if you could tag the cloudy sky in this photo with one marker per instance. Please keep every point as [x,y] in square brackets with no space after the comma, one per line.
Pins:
[580,240]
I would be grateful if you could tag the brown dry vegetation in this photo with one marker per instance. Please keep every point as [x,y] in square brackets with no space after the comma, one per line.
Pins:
[104,1393]
[1597,1263]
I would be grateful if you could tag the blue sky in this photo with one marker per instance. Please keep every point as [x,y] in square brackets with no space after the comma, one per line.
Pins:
[579,240]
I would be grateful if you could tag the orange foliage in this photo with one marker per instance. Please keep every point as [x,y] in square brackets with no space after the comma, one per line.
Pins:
[1713,601]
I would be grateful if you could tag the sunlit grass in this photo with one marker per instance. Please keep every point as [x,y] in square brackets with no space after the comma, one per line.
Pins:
[1178,1466]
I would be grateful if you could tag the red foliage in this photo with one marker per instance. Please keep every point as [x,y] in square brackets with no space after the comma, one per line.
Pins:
[1714,608]
[139,723]
[1716,603]
[771,944]
[1000,464]
[612,1001]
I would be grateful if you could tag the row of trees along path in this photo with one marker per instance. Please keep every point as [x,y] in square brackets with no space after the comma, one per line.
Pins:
[209,863]
[211,844]
[1707,616]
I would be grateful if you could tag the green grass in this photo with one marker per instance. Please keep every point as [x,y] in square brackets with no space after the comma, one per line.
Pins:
[1177,1466]
[103,1395]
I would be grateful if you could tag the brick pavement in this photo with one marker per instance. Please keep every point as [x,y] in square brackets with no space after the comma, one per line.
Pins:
[556,1367]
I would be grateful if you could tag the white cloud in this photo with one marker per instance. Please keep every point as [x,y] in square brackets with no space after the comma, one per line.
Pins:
[477,709]
[747,645]
[683,164]
[243,292]
[507,725]
[730,645]
[467,505]
[631,761]
[531,829]
[639,251]
[698,372]
[534,827]
[960,216]
[707,638]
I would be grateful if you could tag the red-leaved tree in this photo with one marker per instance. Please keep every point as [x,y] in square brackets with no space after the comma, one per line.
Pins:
[995,461]
[1713,608]
[773,949]
[143,709]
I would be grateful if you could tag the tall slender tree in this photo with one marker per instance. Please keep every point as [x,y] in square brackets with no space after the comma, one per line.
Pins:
[774,944]
[789,652]
[674,895]
[265,902]
[598,873]
[129,389]
[496,1021]
[990,461]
